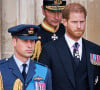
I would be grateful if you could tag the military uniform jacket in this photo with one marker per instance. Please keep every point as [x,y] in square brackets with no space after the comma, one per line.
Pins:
[57,56]
[46,36]
[10,73]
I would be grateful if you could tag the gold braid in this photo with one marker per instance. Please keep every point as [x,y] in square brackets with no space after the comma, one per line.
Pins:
[18,85]
[1,82]
[37,50]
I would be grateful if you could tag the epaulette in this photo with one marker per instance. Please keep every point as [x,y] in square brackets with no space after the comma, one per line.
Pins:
[41,64]
[3,60]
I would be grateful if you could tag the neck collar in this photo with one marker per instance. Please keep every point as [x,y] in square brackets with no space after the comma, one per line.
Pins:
[48,27]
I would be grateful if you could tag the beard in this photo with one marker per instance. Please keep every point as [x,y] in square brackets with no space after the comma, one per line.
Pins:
[76,34]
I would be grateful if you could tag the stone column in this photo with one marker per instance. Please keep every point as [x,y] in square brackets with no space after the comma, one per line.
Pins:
[0,24]
[9,18]
[93,21]
[39,15]
[27,11]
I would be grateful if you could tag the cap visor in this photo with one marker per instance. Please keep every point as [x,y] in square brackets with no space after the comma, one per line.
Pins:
[28,37]
[55,8]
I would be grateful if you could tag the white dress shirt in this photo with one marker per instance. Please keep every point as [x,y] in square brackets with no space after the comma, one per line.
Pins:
[19,64]
[71,42]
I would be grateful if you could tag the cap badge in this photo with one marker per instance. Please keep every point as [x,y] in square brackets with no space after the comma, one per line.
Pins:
[57,1]
[31,31]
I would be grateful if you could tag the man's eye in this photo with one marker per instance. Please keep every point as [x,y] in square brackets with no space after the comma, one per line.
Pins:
[74,21]
[82,22]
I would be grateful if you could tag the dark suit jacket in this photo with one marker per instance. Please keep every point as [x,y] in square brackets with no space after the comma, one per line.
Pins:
[10,73]
[57,56]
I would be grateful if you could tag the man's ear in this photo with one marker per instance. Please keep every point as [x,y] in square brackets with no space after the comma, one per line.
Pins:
[14,41]
[43,10]
[64,21]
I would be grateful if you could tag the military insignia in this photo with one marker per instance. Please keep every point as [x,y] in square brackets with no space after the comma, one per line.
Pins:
[54,37]
[6,59]
[77,54]
[38,78]
[39,37]
[39,83]
[40,86]
[57,1]
[31,31]
[96,80]
[95,59]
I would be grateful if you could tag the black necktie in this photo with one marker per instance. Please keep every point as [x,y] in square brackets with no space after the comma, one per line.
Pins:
[24,71]
[76,53]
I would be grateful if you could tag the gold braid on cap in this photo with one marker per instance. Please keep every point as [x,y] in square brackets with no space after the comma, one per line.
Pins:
[1,82]
[55,7]
[18,85]
[37,50]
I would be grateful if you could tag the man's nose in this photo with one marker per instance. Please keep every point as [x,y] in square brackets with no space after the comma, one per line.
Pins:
[29,43]
[79,25]
[56,15]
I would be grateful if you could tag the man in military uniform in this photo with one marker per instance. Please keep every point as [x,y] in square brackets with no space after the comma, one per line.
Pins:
[19,72]
[51,27]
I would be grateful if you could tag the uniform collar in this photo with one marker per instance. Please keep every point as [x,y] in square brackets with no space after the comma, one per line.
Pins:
[19,63]
[48,27]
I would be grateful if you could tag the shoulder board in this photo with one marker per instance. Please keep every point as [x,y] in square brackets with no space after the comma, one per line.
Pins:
[3,61]
[40,64]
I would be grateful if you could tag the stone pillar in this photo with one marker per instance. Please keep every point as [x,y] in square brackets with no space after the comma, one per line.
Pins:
[0,24]
[9,18]
[27,11]
[93,21]
[39,15]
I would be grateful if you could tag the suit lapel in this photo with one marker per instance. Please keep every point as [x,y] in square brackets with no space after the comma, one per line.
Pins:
[14,69]
[65,56]
[31,72]
[89,65]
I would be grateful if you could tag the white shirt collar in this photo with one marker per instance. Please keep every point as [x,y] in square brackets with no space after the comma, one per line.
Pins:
[72,42]
[19,63]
